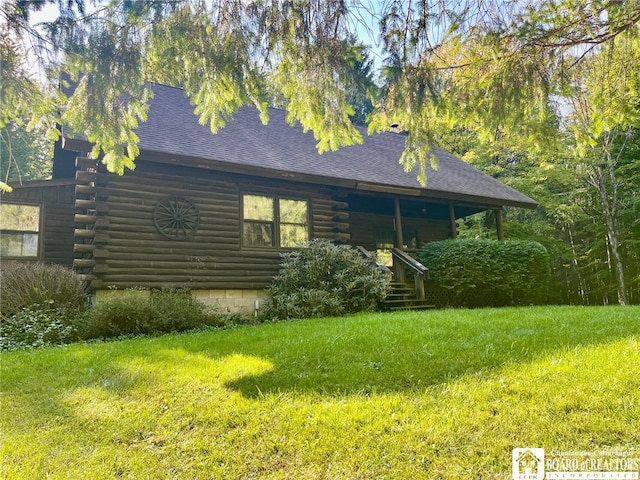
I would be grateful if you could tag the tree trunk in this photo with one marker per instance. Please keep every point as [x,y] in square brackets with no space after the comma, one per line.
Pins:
[581,288]
[613,232]
[606,184]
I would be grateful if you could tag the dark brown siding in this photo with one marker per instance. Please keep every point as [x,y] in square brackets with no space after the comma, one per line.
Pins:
[56,199]
[129,251]
[431,231]
[364,226]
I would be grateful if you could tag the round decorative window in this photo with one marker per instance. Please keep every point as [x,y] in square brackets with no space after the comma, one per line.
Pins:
[177,218]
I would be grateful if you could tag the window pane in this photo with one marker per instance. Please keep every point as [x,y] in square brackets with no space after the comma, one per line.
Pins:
[19,217]
[30,244]
[258,208]
[19,244]
[385,238]
[293,235]
[410,238]
[293,222]
[11,244]
[293,211]
[256,234]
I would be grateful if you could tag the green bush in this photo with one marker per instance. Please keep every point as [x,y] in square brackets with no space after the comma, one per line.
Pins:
[40,304]
[138,311]
[323,279]
[481,272]
[35,326]
[23,285]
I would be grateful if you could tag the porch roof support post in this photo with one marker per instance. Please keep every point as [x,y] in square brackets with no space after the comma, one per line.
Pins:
[398,222]
[499,227]
[452,221]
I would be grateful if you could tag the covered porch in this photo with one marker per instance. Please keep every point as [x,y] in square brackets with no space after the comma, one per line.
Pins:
[392,228]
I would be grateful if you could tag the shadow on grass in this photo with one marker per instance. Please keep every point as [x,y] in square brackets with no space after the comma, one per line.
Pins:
[409,351]
[363,354]
[117,405]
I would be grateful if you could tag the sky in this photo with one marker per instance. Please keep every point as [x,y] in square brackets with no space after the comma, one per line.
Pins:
[365,22]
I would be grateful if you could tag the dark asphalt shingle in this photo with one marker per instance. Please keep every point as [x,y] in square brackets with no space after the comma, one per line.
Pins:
[172,128]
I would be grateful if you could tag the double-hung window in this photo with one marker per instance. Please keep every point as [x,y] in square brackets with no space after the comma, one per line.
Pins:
[19,231]
[272,221]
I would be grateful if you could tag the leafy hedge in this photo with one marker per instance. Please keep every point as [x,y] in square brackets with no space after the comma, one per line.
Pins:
[43,305]
[491,272]
[148,312]
[323,279]
[40,305]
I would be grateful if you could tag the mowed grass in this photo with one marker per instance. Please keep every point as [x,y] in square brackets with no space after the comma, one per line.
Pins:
[409,395]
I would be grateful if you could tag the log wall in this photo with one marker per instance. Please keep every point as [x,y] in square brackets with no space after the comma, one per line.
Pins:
[118,244]
[364,226]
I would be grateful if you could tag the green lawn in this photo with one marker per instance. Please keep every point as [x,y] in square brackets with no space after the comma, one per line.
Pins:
[440,394]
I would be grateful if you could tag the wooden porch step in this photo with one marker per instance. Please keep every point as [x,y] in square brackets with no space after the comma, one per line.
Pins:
[401,289]
[408,304]
[403,297]
[408,294]
[412,306]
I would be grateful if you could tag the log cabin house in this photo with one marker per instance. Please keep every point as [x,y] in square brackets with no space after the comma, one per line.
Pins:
[214,212]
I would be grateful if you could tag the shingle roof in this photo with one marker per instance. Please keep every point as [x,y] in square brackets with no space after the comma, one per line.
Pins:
[173,129]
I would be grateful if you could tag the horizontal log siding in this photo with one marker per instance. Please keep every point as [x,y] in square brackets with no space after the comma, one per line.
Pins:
[58,225]
[137,255]
[364,226]
[430,231]
[328,219]
[58,234]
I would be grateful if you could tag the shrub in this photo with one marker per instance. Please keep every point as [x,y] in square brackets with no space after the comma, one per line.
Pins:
[23,285]
[489,272]
[323,279]
[35,326]
[138,311]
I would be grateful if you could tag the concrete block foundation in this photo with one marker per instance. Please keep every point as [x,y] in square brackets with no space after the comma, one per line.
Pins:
[223,301]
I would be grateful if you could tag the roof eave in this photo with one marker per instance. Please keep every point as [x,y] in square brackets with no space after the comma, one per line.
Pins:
[396,190]
[76,144]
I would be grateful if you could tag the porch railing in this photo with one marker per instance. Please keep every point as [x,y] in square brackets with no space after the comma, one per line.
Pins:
[373,258]
[403,262]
